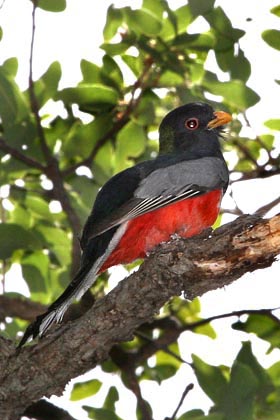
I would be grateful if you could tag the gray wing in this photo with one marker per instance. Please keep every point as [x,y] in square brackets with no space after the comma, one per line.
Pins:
[168,185]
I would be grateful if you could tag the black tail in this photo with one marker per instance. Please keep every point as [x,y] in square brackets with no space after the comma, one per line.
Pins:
[94,255]
[81,282]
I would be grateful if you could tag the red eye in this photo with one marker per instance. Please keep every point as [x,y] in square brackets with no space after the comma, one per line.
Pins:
[192,123]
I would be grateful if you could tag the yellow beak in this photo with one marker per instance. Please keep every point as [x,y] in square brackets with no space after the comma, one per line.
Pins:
[221,119]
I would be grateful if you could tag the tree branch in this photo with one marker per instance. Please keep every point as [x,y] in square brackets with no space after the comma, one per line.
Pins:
[194,266]
[5,147]
[19,308]
[24,308]
[261,211]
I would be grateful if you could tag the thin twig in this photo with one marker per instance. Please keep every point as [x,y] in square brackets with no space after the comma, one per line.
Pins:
[185,393]
[261,211]
[265,312]
[127,364]
[33,100]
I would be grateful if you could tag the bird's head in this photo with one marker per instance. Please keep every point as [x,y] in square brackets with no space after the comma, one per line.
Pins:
[193,128]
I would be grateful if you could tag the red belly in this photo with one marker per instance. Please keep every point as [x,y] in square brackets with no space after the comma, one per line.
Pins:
[185,218]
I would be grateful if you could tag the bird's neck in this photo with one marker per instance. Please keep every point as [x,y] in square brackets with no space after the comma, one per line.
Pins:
[193,146]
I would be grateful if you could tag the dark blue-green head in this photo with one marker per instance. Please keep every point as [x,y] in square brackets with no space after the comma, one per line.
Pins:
[193,128]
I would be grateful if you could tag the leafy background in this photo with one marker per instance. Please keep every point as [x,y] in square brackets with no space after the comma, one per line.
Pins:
[60,143]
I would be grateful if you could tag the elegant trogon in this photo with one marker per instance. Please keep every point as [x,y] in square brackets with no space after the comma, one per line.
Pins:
[178,192]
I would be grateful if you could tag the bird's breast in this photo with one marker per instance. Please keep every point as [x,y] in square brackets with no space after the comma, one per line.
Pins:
[185,218]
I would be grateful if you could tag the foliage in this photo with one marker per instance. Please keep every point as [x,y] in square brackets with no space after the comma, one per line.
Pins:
[40,156]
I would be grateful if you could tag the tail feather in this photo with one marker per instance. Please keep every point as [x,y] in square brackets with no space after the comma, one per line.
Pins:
[81,282]
[97,250]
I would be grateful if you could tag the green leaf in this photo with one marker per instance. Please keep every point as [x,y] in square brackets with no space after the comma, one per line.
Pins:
[273,124]
[221,26]
[211,379]
[236,64]
[39,260]
[199,415]
[24,133]
[81,138]
[100,413]
[276,10]
[192,415]
[200,7]
[91,72]
[113,22]
[111,399]
[272,38]
[239,396]
[134,63]
[197,73]
[10,66]
[38,206]
[156,7]
[235,92]
[101,170]
[85,389]
[159,373]
[219,21]
[115,49]
[249,382]
[169,78]
[164,358]
[144,114]
[184,18]
[200,42]
[188,313]
[267,140]
[35,272]
[46,87]
[264,327]
[59,242]
[52,5]
[131,141]
[143,21]
[86,190]
[274,373]
[8,103]
[244,165]
[90,96]
[1,33]
[14,237]
[21,216]
[111,73]
[247,357]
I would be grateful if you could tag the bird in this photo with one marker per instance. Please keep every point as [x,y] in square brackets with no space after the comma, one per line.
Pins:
[177,193]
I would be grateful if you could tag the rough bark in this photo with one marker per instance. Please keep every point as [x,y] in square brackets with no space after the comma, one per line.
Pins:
[194,266]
